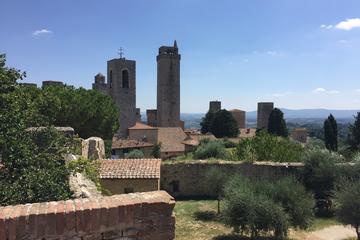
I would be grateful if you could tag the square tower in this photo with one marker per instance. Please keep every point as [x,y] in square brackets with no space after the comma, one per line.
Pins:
[168,86]
[263,114]
[121,75]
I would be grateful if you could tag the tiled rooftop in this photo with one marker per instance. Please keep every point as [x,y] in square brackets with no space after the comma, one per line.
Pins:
[129,143]
[130,168]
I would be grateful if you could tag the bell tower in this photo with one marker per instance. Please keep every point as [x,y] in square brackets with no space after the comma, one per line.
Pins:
[168,86]
[121,81]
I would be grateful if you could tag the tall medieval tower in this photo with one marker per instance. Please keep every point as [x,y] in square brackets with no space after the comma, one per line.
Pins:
[121,84]
[168,86]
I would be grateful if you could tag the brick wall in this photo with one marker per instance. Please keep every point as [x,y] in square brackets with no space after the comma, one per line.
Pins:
[187,179]
[130,216]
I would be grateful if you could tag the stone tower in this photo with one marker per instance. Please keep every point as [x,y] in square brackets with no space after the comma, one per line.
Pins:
[168,86]
[121,83]
[263,114]
[99,84]
[214,106]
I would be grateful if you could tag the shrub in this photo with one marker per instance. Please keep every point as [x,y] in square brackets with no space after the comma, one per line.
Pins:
[136,153]
[262,206]
[319,174]
[265,147]
[156,153]
[246,151]
[348,209]
[90,168]
[249,212]
[210,149]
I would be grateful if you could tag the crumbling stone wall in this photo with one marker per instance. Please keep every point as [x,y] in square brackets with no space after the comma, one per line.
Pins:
[187,179]
[131,216]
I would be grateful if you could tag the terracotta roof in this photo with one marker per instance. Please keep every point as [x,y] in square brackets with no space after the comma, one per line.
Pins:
[130,168]
[129,143]
[191,142]
[140,125]
[171,139]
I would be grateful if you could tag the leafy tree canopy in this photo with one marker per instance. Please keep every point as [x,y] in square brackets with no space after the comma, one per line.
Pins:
[277,124]
[331,133]
[224,125]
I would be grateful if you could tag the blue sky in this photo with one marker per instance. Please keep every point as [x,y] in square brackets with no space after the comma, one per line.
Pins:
[298,53]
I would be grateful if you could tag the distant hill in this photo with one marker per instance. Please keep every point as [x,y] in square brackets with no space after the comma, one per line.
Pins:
[312,113]
[192,120]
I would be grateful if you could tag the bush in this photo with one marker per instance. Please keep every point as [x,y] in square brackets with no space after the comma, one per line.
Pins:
[210,149]
[90,168]
[265,147]
[136,153]
[348,205]
[320,174]
[246,151]
[254,207]
[224,125]
[156,151]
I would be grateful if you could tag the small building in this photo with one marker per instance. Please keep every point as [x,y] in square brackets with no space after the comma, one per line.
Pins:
[299,134]
[130,175]
[120,147]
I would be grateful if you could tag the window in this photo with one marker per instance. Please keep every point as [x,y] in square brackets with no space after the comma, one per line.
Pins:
[110,78]
[128,190]
[125,79]
[176,186]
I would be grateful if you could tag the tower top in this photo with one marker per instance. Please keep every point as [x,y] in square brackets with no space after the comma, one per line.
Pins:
[175,44]
[121,53]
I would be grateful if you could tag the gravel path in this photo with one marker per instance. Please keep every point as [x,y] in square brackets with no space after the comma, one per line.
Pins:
[336,232]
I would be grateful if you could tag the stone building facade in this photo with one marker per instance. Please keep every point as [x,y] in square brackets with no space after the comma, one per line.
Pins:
[168,86]
[121,86]
[263,114]
[214,106]
[240,117]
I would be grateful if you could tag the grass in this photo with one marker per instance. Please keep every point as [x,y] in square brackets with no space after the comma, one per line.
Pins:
[198,220]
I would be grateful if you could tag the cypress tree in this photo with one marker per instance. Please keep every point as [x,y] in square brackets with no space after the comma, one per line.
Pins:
[277,124]
[331,133]
[354,135]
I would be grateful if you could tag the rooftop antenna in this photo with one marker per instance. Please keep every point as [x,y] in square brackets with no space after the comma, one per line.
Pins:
[121,52]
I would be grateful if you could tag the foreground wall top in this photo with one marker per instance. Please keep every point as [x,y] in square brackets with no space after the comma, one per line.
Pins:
[129,216]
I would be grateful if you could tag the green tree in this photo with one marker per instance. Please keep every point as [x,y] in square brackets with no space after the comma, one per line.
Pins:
[354,135]
[156,151]
[216,179]
[277,124]
[348,210]
[210,149]
[89,112]
[206,122]
[224,125]
[331,133]
[33,167]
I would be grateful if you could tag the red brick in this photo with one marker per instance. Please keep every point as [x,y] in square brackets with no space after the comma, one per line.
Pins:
[103,213]
[70,218]
[79,217]
[2,224]
[41,220]
[51,219]
[60,218]
[33,218]
[86,204]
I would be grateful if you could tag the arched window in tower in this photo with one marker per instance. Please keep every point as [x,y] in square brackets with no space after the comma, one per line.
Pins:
[110,78]
[125,79]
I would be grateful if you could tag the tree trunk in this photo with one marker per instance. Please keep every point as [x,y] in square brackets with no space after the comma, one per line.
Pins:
[218,206]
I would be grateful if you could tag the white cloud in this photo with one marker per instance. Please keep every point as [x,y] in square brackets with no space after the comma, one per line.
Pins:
[348,24]
[326,26]
[319,90]
[323,90]
[41,31]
